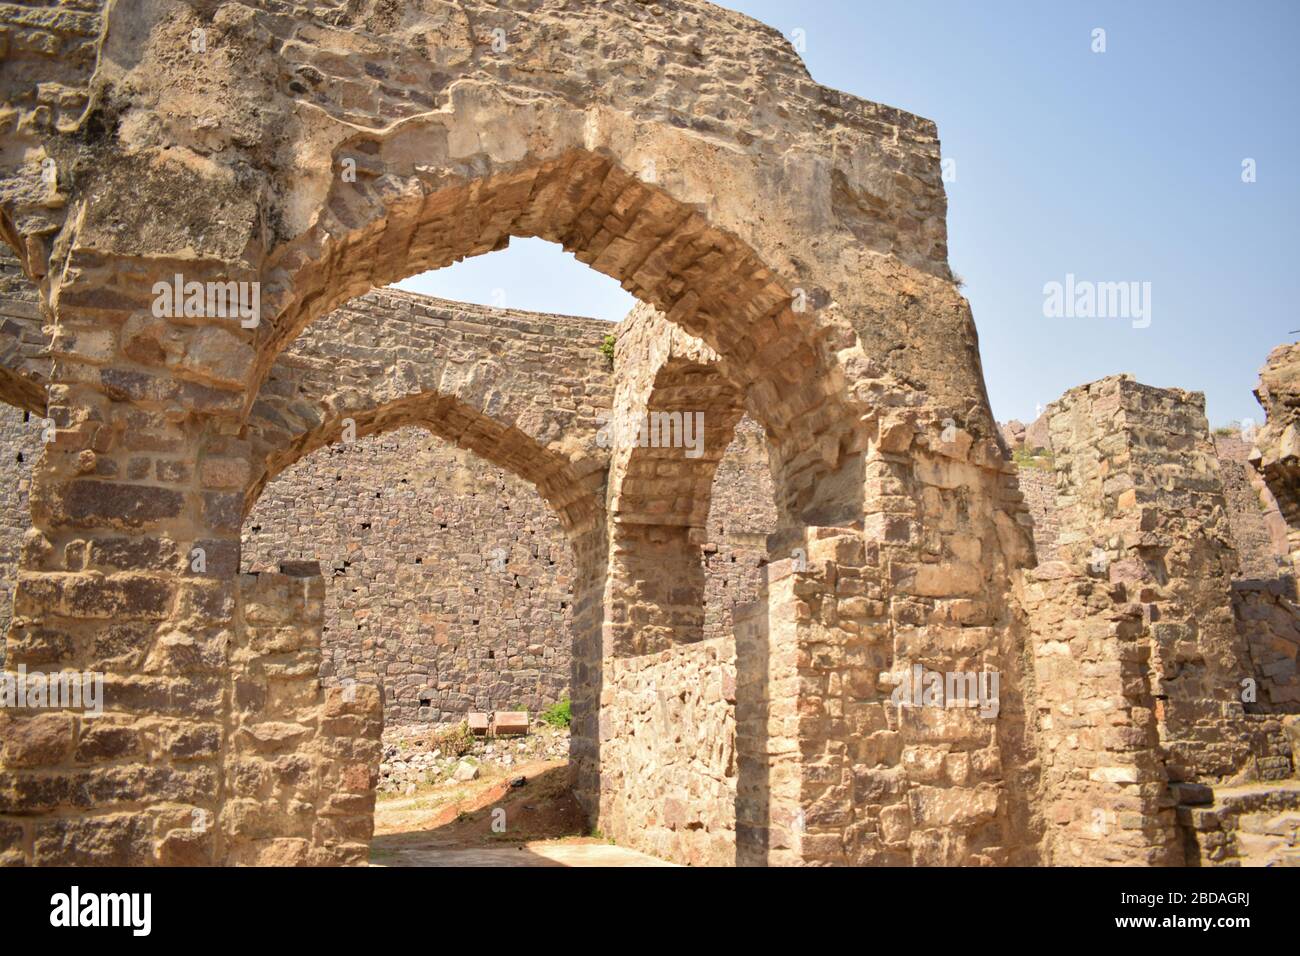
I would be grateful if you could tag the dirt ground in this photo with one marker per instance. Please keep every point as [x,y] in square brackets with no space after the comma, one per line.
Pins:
[490,822]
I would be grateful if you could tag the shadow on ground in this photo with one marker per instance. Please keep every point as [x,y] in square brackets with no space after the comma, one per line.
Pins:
[490,822]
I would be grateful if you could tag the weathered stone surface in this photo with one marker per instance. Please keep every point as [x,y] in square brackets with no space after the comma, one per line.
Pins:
[789,247]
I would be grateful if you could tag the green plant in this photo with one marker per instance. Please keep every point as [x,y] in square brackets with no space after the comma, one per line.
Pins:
[456,741]
[607,348]
[559,714]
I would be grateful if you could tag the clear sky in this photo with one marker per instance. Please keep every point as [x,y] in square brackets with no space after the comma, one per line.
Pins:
[1120,166]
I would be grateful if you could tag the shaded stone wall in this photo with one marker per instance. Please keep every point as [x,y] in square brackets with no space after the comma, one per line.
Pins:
[742,514]
[1269,618]
[1038,485]
[24,356]
[1259,531]
[14,286]
[1278,440]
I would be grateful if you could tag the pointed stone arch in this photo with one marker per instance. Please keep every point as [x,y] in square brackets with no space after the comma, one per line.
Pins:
[683,149]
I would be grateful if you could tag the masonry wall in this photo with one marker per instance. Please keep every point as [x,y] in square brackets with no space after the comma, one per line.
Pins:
[1038,485]
[741,516]
[1143,671]
[673,715]
[447,580]
[1263,590]
[290,743]
[1259,531]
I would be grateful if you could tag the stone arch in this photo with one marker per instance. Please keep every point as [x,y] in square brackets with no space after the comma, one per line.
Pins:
[673,420]
[485,379]
[683,149]
[401,217]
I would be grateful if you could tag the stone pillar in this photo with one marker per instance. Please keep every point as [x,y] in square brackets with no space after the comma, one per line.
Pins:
[130,575]
[1139,666]
[301,763]
[912,728]
[1104,784]
[131,489]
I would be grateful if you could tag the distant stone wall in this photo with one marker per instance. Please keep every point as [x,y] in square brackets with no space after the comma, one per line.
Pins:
[1258,528]
[741,516]
[1038,485]
[447,579]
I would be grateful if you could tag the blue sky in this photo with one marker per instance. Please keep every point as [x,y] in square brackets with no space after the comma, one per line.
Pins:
[1114,167]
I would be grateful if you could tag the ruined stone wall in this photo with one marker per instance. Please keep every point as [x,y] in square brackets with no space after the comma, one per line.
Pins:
[1038,485]
[1278,441]
[1259,531]
[410,531]
[1268,616]
[449,581]
[54,44]
[291,744]
[1098,725]
[678,147]
[1140,666]
[14,285]
[1263,590]
[673,714]
[24,356]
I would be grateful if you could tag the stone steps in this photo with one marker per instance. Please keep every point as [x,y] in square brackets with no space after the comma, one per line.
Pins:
[1256,850]
[1255,824]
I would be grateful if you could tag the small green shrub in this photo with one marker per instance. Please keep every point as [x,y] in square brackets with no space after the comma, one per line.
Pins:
[558,715]
[607,348]
[456,741]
